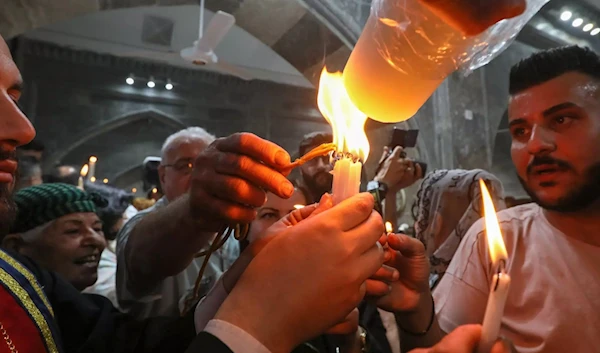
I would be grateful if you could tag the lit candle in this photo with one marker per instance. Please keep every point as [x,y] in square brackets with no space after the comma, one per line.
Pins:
[500,280]
[92,173]
[348,126]
[389,229]
[82,174]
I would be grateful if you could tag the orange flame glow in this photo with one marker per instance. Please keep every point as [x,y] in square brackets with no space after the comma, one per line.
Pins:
[84,170]
[492,227]
[347,122]
[388,227]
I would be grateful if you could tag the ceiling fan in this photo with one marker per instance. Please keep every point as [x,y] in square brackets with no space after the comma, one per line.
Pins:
[202,52]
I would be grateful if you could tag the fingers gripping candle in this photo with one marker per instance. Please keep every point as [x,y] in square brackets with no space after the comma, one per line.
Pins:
[348,125]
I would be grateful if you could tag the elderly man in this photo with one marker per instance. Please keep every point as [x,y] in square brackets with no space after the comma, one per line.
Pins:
[156,268]
[57,226]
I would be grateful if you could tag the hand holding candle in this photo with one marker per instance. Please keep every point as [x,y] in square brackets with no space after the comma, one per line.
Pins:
[500,280]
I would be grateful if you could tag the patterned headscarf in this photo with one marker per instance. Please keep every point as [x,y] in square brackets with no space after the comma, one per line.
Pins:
[448,203]
[40,204]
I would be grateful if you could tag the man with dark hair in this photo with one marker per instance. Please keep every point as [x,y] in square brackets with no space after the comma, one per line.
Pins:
[315,174]
[29,172]
[66,174]
[34,149]
[553,244]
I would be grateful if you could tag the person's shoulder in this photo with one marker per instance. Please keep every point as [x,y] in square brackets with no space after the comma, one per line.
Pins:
[521,213]
[514,217]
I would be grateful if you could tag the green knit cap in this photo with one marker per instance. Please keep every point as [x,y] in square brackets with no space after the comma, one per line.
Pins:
[40,204]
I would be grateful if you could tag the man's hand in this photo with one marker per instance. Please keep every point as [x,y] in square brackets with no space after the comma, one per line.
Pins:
[398,172]
[465,340]
[231,177]
[309,276]
[407,256]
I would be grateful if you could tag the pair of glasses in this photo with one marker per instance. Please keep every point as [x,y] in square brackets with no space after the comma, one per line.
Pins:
[184,166]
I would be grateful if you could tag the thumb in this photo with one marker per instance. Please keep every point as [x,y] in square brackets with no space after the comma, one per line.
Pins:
[297,216]
[407,246]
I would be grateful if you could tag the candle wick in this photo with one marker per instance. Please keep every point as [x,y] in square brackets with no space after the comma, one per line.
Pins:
[500,271]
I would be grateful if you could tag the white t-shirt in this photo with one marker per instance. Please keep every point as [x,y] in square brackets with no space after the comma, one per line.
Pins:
[553,304]
[168,297]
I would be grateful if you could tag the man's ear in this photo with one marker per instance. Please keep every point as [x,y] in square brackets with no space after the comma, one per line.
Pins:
[13,242]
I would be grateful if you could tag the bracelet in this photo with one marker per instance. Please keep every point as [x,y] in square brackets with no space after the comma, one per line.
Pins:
[431,319]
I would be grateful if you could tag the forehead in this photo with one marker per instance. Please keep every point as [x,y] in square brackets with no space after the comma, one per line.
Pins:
[185,148]
[274,201]
[9,74]
[575,87]
[78,217]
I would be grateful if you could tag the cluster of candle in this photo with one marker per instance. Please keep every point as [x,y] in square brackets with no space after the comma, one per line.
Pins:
[88,171]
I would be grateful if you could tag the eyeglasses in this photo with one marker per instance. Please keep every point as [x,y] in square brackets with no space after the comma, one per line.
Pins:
[184,166]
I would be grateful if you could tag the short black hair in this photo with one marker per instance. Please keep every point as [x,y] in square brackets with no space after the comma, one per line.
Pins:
[546,65]
[55,177]
[28,166]
[118,201]
[313,140]
[34,145]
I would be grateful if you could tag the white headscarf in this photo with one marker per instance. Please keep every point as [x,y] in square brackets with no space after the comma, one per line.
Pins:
[448,203]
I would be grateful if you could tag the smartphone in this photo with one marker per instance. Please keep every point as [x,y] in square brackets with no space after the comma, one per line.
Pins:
[403,138]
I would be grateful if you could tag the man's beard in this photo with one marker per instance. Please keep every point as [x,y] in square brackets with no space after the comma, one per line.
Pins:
[8,210]
[318,188]
[579,197]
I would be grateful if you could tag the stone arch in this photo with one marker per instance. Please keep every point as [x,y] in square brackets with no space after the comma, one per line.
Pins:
[112,125]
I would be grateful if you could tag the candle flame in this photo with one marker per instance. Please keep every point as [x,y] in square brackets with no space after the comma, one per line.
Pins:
[297,207]
[347,122]
[93,159]
[388,227]
[84,170]
[492,227]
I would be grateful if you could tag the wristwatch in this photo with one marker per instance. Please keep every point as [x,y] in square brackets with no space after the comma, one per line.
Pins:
[379,187]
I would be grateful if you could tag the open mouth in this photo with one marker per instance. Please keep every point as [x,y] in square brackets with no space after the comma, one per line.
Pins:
[91,260]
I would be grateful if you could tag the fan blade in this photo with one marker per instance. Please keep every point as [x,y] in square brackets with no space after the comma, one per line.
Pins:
[151,55]
[217,28]
[233,70]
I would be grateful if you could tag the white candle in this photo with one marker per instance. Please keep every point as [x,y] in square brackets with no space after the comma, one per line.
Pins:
[92,161]
[346,179]
[82,174]
[500,280]
[494,311]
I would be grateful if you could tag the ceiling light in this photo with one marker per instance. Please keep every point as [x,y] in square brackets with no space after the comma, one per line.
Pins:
[588,27]
[130,81]
[134,190]
[595,31]
[578,22]
[566,15]
[151,83]
[169,85]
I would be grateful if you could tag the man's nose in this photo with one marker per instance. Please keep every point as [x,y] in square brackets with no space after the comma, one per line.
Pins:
[541,141]
[15,128]
[95,239]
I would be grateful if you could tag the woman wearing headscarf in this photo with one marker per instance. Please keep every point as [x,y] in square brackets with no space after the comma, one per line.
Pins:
[448,203]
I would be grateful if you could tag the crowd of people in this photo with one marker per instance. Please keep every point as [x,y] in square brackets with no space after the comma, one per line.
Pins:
[88,269]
